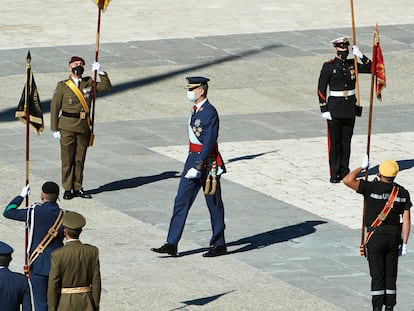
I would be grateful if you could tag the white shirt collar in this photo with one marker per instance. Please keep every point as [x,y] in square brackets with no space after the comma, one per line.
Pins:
[200,104]
[76,80]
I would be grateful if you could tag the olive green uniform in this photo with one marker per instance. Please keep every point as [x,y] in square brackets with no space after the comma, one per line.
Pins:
[68,116]
[75,278]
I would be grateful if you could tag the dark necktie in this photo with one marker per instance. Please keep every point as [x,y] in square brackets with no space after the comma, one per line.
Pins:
[194,109]
[79,81]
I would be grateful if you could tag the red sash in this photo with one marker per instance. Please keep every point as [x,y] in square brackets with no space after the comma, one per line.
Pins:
[215,153]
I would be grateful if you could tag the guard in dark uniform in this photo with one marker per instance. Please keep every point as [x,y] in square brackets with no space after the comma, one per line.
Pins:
[390,231]
[70,122]
[338,106]
[14,287]
[40,219]
[202,169]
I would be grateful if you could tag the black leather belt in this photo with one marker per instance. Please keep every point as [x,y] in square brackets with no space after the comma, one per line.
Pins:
[385,228]
[71,115]
[78,115]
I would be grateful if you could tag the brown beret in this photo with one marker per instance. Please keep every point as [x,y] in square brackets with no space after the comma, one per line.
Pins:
[77,59]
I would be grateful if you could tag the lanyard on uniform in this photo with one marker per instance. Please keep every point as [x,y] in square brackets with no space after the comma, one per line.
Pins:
[384,213]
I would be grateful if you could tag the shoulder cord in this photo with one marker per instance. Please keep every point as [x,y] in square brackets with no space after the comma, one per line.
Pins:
[50,235]
[384,213]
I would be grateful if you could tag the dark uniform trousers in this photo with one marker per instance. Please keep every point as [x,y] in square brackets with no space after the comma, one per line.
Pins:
[73,154]
[186,194]
[340,136]
[383,252]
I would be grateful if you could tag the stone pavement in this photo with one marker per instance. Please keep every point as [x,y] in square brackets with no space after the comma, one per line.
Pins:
[293,237]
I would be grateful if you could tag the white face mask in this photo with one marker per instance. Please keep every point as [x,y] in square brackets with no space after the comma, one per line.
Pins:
[191,96]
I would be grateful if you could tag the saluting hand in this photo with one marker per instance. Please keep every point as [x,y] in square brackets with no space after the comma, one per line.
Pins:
[365,162]
[25,191]
[357,52]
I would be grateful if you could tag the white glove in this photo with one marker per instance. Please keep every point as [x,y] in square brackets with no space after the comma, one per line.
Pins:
[403,250]
[357,52]
[192,173]
[97,66]
[25,191]
[56,134]
[326,115]
[365,162]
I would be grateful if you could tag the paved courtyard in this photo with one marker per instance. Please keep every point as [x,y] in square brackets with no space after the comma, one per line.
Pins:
[293,237]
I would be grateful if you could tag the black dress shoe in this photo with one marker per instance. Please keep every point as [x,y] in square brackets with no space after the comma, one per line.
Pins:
[82,194]
[67,195]
[335,180]
[166,249]
[215,251]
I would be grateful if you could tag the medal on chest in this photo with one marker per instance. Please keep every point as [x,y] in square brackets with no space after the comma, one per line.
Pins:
[87,92]
[352,73]
[197,129]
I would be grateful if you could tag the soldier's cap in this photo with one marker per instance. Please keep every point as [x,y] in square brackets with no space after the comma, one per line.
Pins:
[73,220]
[76,59]
[341,42]
[389,168]
[193,82]
[5,249]
[50,187]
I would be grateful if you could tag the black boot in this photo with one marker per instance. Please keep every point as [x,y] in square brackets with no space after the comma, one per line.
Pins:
[389,308]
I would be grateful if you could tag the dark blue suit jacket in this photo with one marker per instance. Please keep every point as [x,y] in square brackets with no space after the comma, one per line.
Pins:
[205,125]
[44,217]
[14,291]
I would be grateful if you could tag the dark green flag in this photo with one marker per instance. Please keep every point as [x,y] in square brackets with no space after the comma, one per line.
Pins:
[29,104]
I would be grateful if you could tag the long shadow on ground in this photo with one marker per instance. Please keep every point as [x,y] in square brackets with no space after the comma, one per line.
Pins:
[267,238]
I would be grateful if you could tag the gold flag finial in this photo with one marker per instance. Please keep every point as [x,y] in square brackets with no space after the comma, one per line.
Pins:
[102,4]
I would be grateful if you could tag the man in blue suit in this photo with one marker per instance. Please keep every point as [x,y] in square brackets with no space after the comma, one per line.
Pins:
[40,218]
[14,288]
[202,169]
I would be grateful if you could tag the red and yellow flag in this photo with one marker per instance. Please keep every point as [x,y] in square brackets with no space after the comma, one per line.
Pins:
[377,66]
[102,4]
